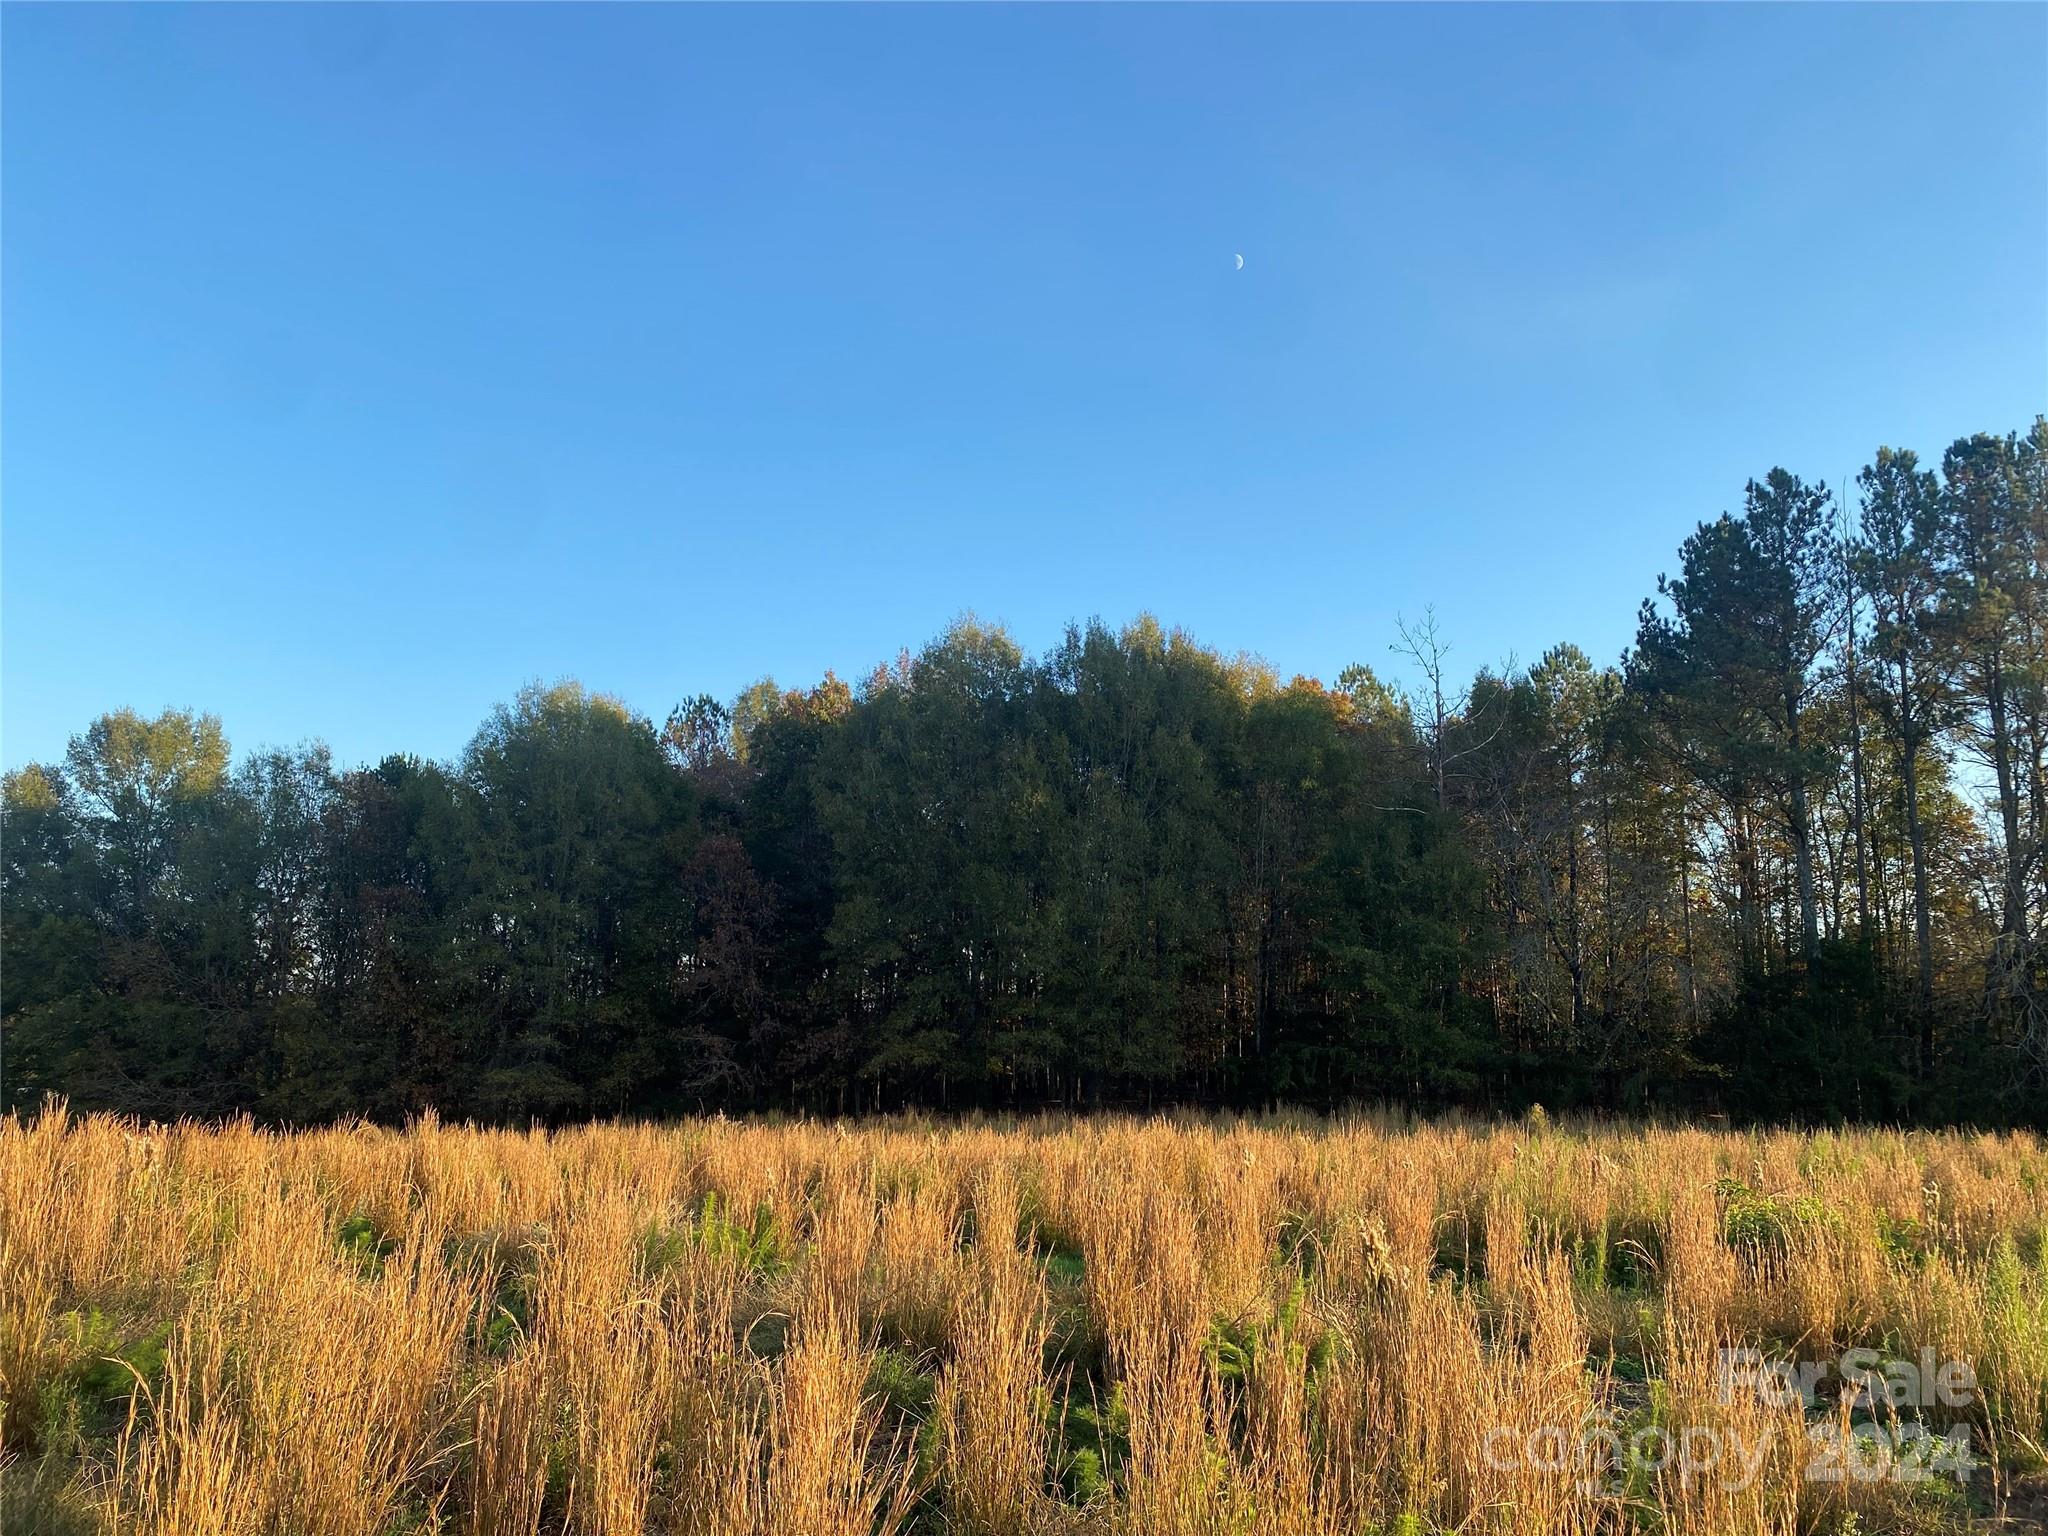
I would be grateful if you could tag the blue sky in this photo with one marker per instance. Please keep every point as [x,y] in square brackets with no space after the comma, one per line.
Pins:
[361,364]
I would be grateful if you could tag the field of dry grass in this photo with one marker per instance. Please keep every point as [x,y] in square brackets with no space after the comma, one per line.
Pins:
[1172,1326]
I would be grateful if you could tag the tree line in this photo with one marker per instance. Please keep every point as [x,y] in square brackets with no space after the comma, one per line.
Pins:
[1785,860]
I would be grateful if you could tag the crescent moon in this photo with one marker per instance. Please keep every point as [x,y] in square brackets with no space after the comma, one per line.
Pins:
[1240,263]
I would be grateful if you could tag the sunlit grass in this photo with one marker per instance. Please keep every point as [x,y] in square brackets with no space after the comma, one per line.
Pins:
[1188,1325]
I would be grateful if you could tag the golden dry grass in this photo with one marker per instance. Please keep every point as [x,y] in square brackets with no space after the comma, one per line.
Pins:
[1172,1326]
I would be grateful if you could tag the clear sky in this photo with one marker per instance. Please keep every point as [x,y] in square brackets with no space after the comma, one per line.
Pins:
[361,364]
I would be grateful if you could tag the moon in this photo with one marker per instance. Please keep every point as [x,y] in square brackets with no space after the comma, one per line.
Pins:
[1240,263]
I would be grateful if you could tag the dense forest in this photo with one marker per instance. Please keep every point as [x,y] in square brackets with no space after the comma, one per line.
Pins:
[1785,860]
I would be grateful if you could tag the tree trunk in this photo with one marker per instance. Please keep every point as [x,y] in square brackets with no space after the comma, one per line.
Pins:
[2015,923]
[1571,887]
[1923,936]
[1802,837]
[1856,779]
[1748,895]
[1692,984]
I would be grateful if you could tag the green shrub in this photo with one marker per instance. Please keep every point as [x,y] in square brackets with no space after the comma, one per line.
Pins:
[1759,1223]
[895,1378]
[1903,1238]
[362,1246]
[1091,1441]
[757,1247]
[1232,1345]
[91,1396]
